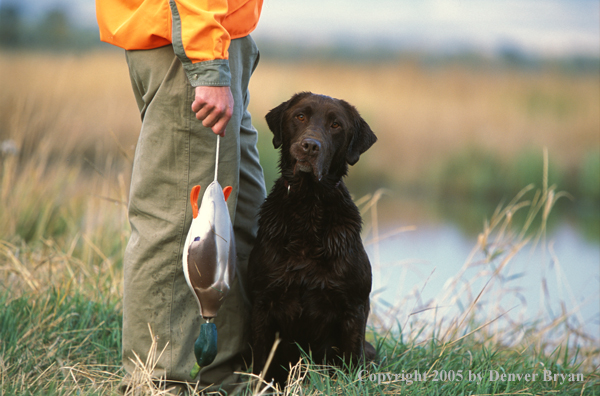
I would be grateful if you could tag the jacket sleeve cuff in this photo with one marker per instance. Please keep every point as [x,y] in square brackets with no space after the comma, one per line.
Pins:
[208,73]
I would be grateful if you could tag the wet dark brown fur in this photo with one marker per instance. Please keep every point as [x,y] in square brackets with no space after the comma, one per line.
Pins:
[309,275]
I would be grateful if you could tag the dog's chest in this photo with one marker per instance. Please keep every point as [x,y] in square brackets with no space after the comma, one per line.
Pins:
[306,287]
[309,253]
[313,229]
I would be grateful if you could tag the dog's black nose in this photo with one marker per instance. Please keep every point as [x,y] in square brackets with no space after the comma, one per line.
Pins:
[311,146]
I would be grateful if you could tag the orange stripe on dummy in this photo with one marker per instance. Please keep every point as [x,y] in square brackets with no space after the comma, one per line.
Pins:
[194,200]
[227,191]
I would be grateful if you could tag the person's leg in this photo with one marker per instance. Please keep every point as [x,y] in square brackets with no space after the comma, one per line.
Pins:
[233,317]
[174,153]
[157,207]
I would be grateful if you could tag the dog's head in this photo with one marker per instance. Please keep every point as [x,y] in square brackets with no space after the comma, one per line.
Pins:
[319,135]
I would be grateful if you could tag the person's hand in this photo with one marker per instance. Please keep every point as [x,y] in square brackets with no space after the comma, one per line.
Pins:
[214,107]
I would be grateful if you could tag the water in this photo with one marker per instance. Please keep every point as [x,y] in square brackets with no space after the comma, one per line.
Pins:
[563,271]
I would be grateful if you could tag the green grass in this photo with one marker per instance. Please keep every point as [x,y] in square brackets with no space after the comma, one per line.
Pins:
[436,368]
[478,175]
[60,293]
[58,342]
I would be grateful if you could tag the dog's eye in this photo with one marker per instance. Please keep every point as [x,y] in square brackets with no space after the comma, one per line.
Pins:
[335,125]
[301,117]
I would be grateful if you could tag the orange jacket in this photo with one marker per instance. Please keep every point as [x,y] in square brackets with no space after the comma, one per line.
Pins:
[199,30]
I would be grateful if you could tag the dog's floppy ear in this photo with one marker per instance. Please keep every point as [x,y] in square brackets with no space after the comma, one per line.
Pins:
[274,120]
[275,117]
[362,136]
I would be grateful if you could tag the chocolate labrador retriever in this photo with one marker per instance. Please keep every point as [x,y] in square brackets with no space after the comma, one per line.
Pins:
[309,275]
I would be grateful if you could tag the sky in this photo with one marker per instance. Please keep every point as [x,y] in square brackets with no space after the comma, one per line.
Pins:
[542,27]
[547,27]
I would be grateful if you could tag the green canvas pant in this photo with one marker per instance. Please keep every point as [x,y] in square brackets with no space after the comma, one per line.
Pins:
[175,152]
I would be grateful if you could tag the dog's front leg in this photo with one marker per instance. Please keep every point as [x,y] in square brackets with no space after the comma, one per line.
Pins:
[262,335]
[353,335]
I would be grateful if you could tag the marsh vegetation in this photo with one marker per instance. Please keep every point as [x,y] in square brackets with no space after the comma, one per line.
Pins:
[454,131]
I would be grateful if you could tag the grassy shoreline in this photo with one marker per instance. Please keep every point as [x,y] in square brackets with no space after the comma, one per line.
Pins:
[60,325]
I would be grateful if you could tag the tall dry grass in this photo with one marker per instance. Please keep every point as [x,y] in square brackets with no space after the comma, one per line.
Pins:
[422,114]
[64,191]
[75,104]
[482,300]
[67,107]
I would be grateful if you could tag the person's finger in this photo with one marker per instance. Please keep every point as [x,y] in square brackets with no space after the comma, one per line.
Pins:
[222,121]
[218,112]
[204,112]
[219,131]
[211,119]
[197,105]
[219,127]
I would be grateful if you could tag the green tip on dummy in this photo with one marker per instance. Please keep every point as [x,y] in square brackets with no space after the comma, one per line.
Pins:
[205,347]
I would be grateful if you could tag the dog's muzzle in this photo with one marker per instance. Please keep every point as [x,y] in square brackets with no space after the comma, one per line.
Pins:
[309,155]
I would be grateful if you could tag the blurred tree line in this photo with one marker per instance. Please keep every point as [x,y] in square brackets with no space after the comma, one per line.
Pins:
[53,31]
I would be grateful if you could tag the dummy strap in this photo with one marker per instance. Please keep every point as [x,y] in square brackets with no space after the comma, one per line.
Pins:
[217,156]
